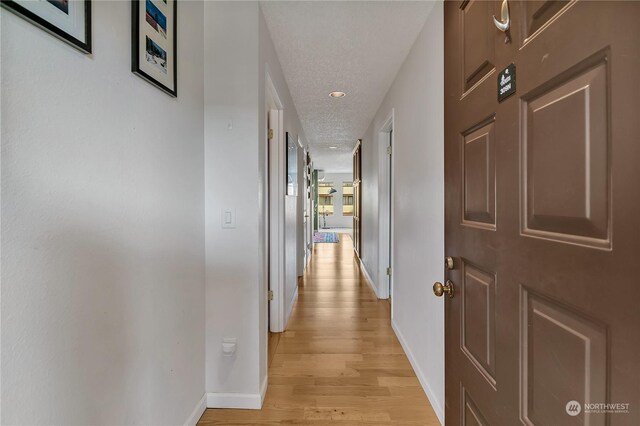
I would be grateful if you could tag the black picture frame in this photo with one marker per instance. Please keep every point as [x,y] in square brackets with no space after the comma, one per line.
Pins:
[291,158]
[135,51]
[84,46]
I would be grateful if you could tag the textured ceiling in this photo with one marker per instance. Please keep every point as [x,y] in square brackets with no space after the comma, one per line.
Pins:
[352,46]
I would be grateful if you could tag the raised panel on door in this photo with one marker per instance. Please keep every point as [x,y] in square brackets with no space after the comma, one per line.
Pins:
[478,327]
[477,46]
[565,156]
[564,359]
[478,176]
[537,14]
[471,414]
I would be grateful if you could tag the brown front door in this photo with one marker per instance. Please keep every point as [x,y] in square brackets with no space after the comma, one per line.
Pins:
[543,213]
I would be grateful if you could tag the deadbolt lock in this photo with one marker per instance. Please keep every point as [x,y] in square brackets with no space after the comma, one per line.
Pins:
[448,262]
[439,289]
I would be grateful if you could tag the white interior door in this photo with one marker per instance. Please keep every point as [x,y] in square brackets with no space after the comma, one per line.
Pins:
[276,221]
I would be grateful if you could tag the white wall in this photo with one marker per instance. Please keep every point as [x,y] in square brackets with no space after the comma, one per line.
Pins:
[102,228]
[238,52]
[369,215]
[416,97]
[231,181]
[337,220]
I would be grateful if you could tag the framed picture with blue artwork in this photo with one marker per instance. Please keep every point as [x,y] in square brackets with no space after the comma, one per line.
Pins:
[69,20]
[154,44]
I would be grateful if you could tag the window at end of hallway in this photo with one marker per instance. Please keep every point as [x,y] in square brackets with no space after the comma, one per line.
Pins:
[325,199]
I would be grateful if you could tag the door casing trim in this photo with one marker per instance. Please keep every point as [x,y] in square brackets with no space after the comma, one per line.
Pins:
[275,238]
[385,206]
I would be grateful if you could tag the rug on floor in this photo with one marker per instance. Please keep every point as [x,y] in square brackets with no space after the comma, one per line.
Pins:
[325,237]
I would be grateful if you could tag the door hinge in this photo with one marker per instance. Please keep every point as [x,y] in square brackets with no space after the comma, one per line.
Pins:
[270,133]
[389,150]
[389,270]
[270,295]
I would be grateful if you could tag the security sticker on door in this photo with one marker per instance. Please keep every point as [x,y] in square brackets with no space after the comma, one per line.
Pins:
[507,82]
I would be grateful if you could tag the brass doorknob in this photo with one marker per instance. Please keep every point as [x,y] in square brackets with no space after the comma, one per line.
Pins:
[439,289]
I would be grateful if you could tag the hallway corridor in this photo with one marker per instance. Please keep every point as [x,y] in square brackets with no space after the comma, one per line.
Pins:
[339,361]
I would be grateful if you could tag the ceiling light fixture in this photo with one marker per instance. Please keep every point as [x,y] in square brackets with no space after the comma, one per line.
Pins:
[337,94]
[333,147]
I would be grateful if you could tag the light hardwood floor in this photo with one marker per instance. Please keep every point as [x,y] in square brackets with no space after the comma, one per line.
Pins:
[339,362]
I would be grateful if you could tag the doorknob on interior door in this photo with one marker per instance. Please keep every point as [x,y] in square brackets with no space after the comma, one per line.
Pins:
[439,289]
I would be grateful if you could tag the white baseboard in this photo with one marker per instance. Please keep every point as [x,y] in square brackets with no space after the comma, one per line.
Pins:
[416,368]
[263,389]
[291,305]
[197,412]
[368,278]
[250,401]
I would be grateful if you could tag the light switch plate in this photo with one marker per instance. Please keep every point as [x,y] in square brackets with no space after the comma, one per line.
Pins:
[228,218]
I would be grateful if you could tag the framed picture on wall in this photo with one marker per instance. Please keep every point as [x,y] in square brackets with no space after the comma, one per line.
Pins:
[292,165]
[154,44]
[69,20]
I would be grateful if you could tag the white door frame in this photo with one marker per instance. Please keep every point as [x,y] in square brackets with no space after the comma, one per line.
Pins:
[385,208]
[300,203]
[305,212]
[276,211]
